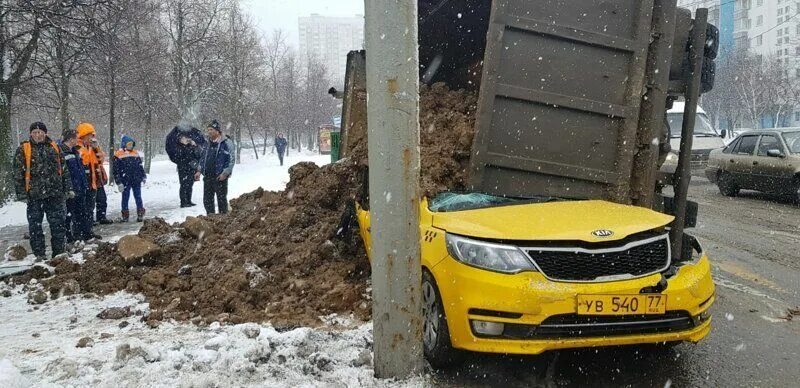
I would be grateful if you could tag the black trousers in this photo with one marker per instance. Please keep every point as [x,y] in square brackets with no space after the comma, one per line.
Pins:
[90,200]
[186,178]
[212,188]
[102,203]
[280,157]
[76,221]
[55,210]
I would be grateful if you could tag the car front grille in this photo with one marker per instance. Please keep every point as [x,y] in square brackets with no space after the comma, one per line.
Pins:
[573,325]
[581,264]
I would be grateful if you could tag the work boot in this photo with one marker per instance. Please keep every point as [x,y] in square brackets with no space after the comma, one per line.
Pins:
[139,215]
[105,221]
[125,215]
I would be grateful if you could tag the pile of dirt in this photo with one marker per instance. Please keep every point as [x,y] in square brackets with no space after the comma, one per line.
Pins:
[278,256]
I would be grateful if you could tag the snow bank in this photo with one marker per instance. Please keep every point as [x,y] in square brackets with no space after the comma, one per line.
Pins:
[160,193]
[40,349]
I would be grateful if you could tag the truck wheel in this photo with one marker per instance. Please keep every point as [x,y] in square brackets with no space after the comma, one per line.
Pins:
[727,186]
[435,335]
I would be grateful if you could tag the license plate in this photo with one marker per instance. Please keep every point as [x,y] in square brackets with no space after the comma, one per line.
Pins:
[622,304]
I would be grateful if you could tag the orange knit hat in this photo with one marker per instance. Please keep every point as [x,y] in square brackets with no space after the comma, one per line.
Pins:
[85,129]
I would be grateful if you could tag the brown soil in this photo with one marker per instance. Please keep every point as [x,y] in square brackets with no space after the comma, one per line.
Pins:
[276,256]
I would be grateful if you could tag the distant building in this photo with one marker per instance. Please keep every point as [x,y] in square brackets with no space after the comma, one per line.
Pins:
[766,28]
[329,39]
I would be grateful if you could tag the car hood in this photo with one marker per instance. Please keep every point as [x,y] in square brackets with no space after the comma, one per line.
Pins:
[562,220]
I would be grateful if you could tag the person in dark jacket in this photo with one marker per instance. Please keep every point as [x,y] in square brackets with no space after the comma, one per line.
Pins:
[42,180]
[280,146]
[216,166]
[183,147]
[129,175]
[101,202]
[77,225]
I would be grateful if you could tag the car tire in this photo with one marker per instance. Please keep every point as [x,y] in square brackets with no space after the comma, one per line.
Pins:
[727,186]
[796,196]
[435,333]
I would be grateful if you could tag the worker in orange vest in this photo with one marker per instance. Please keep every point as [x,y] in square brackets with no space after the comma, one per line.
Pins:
[92,167]
[42,180]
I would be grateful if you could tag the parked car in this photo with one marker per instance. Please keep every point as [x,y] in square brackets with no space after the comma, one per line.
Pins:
[766,160]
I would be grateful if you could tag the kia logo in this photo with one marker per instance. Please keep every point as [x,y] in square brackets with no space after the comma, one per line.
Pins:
[602,233]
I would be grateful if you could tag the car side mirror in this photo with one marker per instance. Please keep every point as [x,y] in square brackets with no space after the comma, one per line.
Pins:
[775,153]
[723,133]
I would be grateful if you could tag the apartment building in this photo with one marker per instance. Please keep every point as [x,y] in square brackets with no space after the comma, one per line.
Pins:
[329,39]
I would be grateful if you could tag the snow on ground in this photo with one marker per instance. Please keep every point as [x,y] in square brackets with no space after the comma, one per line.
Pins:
[160,193]
[39,349]
[38,343]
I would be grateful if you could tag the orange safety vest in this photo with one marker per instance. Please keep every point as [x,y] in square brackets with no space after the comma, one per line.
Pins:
[91,161]
[27,151]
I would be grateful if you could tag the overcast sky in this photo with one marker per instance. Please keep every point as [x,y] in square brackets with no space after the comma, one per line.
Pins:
[282,14]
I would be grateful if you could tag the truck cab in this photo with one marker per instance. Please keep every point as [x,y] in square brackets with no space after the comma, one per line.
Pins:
[706,137]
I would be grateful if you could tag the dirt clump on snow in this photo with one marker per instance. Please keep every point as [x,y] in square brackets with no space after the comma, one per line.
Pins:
[277,256]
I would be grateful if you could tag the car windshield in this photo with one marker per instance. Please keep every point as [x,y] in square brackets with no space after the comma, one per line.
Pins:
[792,141]
[702,125]
[452,202]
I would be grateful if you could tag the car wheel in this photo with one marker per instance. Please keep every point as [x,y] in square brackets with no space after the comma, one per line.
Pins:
[435,334]
[727,186]
[797,191]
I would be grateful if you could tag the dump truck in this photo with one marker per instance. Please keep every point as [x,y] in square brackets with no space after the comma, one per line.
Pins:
[565,238]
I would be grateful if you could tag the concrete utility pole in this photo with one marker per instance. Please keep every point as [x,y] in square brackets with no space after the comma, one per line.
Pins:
[393,132]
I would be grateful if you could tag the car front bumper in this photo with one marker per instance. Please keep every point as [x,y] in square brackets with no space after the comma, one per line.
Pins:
[540,315]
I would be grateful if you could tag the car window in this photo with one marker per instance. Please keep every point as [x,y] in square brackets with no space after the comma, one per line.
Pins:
[792,141]
[746,145]
[768,142]
[731,146]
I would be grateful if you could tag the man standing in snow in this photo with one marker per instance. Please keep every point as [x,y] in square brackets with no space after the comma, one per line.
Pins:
[280,146]
[77,223]
[101,201]
[130,175]
[183,147]
[42,180]
[216,166]
[93,168]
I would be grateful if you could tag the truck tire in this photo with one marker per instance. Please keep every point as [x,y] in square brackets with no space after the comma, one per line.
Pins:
[727,186]
[435,334]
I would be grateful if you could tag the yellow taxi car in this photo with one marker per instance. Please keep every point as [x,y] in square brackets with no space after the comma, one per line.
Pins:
[515,276]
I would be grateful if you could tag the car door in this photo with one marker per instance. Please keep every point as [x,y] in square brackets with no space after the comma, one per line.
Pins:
[739,163]
[769,170]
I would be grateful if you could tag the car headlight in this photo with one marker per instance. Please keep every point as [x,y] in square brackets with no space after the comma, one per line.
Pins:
[488,256]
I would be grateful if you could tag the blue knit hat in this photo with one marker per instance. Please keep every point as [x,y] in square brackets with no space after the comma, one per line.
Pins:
[125,140]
